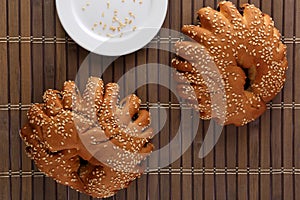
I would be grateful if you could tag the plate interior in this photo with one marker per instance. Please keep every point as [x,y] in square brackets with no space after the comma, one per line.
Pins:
[107,19]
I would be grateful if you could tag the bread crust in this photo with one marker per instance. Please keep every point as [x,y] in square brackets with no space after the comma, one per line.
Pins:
[89,142]
[236,43]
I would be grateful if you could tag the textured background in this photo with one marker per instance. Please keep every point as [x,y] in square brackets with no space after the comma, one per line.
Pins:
[258,161]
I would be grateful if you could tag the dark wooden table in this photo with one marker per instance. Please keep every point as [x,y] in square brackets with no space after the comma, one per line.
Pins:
[258,161]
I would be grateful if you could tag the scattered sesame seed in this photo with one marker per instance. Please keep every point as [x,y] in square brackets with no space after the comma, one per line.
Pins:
[131,14]
[112,28]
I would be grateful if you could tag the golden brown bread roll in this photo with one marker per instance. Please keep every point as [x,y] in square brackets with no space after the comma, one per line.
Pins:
[249,56]
[91,142]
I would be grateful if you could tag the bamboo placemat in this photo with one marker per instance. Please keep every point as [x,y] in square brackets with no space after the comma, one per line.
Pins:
[257,161]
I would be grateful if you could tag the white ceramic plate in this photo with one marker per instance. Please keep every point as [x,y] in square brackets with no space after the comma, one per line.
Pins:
[112,27]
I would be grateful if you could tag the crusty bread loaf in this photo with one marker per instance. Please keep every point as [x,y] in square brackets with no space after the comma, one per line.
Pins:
[246,48]
[91,142]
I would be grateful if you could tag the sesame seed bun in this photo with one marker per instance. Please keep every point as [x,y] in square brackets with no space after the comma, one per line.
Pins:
[89,142]
[247,51]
